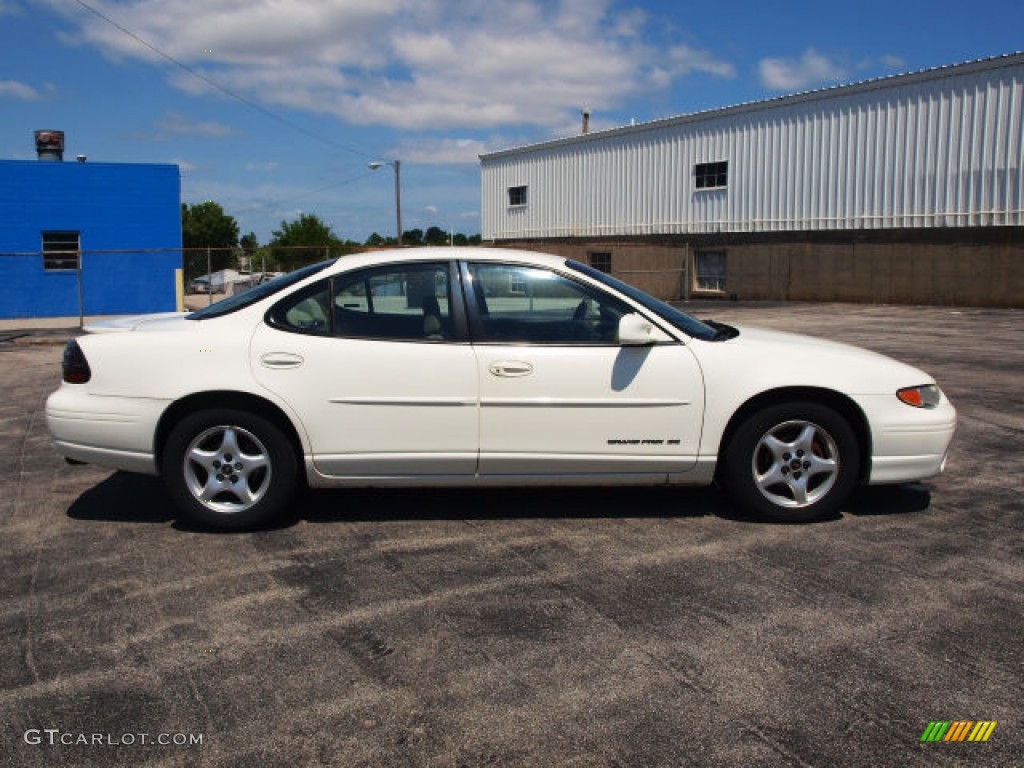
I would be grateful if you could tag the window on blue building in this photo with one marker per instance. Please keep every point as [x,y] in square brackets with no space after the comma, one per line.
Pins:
[60,251]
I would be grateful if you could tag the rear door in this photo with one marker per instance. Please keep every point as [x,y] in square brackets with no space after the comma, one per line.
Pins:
[377,366]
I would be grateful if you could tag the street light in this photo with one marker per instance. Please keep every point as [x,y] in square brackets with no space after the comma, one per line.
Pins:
[398,192]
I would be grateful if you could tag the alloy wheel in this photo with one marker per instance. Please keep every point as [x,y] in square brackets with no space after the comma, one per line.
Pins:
[227,469]
[795,464]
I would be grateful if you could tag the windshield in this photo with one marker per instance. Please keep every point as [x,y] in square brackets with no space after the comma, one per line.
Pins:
[688,325]
[257,293]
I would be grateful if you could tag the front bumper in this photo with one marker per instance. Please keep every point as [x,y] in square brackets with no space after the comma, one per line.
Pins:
[907,444]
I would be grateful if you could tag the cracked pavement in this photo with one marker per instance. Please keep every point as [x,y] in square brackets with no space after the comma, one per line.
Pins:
[568,627]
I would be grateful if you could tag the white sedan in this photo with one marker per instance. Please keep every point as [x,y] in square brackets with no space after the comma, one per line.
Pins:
[480,366]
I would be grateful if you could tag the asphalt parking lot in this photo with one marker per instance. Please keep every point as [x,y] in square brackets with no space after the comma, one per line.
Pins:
[527,628]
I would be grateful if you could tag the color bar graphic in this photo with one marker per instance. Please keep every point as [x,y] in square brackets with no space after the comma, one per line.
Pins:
[935,731]
[958,730]
[982,731]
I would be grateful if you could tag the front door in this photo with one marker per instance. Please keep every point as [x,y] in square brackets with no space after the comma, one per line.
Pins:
[560,395]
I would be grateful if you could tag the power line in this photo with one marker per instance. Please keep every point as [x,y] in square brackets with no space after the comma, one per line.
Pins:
[223,89]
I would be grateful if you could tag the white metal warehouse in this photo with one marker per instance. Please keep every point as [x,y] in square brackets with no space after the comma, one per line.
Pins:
[904,188]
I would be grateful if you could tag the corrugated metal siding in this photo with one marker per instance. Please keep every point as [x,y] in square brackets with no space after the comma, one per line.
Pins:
[934,152]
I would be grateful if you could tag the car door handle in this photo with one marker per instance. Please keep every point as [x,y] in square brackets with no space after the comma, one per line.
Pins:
[510,368]
[280,360]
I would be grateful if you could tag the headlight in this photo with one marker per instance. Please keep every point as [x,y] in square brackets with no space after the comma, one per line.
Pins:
[925,396]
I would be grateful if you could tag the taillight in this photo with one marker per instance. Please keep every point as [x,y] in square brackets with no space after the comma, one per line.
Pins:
[75,367]
[926,396]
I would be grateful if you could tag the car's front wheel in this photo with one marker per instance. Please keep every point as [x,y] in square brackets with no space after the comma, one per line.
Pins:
[229,470]
[792,462]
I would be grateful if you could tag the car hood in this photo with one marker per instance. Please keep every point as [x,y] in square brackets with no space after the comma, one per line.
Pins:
[787,359]
[161,321]
[765,336]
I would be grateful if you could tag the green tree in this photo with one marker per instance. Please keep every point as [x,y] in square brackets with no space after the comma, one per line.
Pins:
[305,241]
[205,225]
[412,237]
[250,245]
[435,236]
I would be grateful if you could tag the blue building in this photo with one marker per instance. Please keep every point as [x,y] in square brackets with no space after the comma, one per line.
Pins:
[123,220]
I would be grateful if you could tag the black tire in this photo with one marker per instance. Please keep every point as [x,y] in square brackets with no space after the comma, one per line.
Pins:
[242,472]
[794,462]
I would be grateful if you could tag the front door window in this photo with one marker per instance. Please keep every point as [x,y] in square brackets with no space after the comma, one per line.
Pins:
[526,305]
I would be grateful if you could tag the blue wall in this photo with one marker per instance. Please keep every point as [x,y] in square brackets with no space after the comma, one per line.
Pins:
[114,206]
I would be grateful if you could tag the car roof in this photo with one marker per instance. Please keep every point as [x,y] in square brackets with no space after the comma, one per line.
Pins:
[445,253]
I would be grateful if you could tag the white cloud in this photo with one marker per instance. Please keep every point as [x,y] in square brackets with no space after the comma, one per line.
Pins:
[12,89]
[265,167]
[432,151]
[10,8]
[886,63]
[412,64]
[185,166]
[630,23]
[809,70]
[177,124]
[684,60]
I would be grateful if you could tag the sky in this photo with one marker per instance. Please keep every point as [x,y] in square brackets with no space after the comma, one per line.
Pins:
[274,108]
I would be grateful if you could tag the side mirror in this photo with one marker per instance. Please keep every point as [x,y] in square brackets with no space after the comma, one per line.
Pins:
[634,331]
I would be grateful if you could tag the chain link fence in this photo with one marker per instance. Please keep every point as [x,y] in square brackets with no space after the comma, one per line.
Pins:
[211,274]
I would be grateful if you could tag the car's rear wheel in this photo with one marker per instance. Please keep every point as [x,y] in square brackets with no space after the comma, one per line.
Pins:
[229,470]
[792,462]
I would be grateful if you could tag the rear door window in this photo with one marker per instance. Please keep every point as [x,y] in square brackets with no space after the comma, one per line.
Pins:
[399,302]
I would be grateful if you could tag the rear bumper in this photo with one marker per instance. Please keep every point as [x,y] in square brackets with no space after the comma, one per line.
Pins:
[143,463]
[115,432]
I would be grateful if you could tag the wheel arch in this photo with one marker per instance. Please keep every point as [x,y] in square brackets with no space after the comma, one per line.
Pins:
[226,399]
[837,401]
